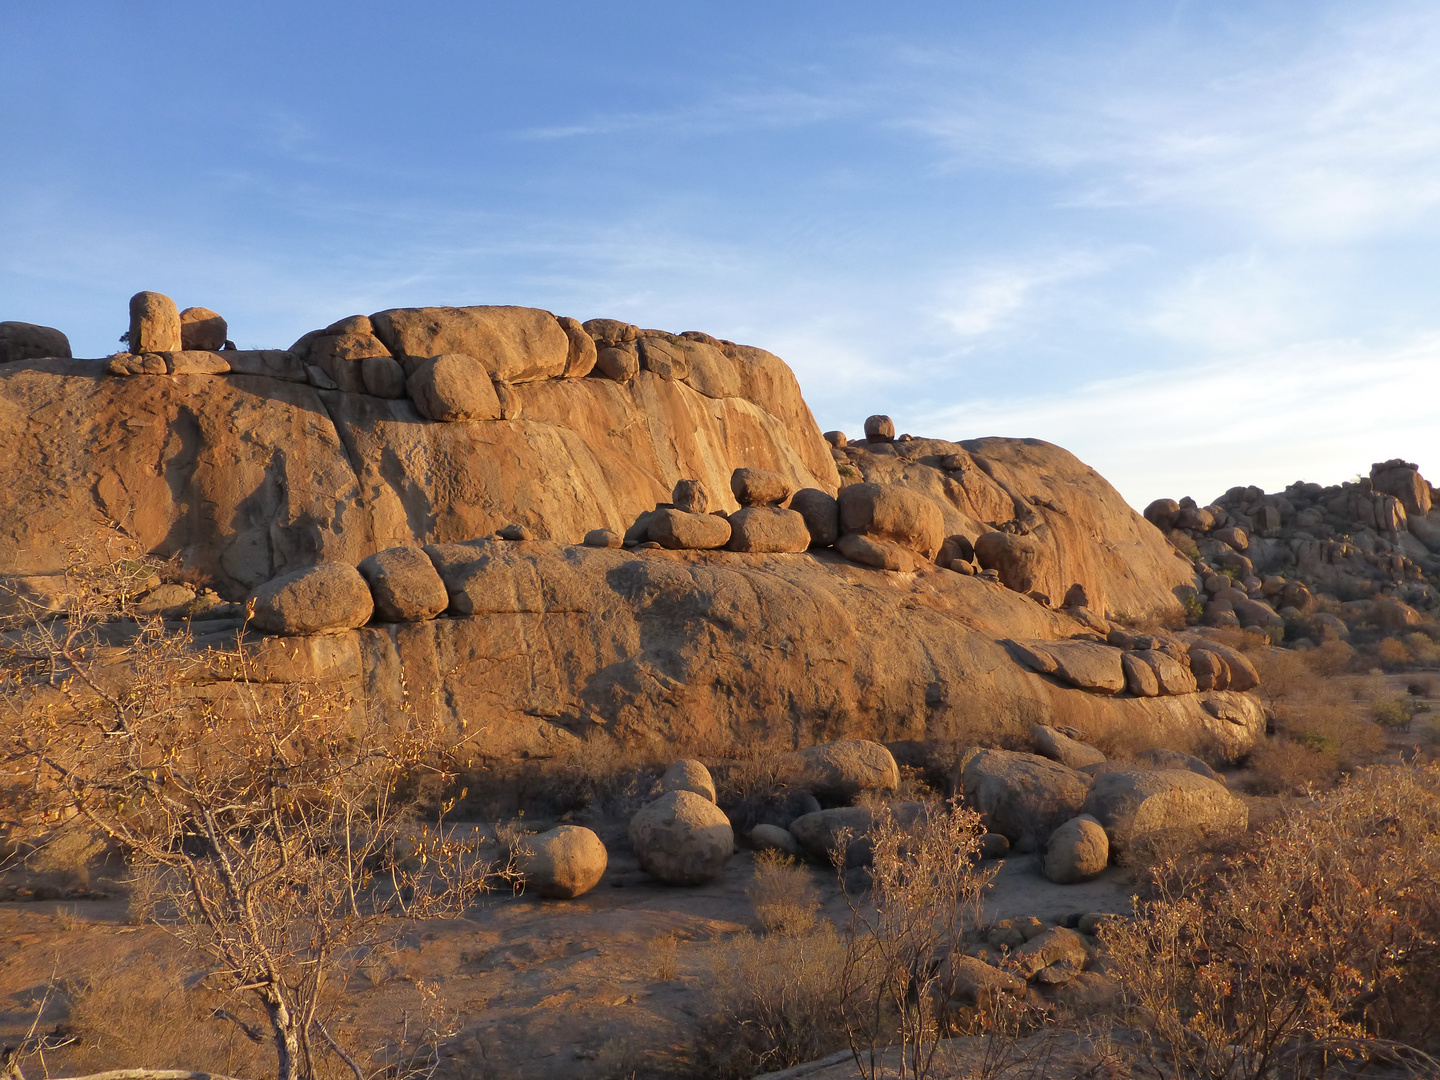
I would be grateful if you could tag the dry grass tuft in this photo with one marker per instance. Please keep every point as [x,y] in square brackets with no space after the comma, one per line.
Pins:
[784,899]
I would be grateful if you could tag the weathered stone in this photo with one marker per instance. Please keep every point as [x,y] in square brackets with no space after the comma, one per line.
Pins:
[1162,514]
[517,344]
[836,439]
[404,585]
[325,598]
[881,554]
[383,376]
[202,330]
[895,514]
[974,982]
[191,362]
[610,331]
[682,838]
[677,530]
[1020,560]
[759,487]
[1160,758]
[581,354]
[1140,677]
[563,863]
[767,529]
[1162,808]
[994,845]
[1057,746]
[1022,796]
[603,538]
[27,341]
[1242,673]
[839,771]
[774,838]
[687,774]
[821,512]
[154,324]
[692,497]
[1402,480]
[664,359]
[879,428]
[454,387]
[1087,665]
[1054,945]
[1077,851]
[1173,676]
[618,363]
[824,834]
[956,547]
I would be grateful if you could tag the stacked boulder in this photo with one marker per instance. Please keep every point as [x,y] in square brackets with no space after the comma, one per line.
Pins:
[1261,559]
[683,838]
[762,524]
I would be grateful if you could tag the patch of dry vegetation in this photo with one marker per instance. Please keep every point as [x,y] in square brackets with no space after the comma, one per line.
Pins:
[1313,954]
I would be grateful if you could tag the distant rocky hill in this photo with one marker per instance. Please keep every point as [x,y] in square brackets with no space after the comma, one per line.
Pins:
[547,529]
[1313,564]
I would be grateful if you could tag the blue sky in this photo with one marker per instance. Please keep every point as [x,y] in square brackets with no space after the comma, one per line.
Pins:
[1196,244]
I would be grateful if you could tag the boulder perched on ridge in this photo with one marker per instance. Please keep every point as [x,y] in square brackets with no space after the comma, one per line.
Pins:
[27,341]
[618,362]
[405,585]
[454,387]
[517,344]
[154,324]
[326,597]
[881,554]
[879,428]
[692,497]
[1086,665]
[563,863]
[581,354]
[202,329]
[682,838]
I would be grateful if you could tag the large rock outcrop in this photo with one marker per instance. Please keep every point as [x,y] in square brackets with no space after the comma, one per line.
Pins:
[251,466]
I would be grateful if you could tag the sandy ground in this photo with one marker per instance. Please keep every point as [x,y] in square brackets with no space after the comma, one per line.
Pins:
[606,985]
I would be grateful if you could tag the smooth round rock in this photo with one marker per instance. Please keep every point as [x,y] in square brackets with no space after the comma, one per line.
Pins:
[405,585]
[879,428]
[774,838]
[563,863]
[1078,850]
[327,597]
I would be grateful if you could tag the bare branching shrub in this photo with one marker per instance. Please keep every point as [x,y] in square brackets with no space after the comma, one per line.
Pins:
[1330,659]
[1310,956]
[782,894]
[776,1001]
[926,889]
[269,823]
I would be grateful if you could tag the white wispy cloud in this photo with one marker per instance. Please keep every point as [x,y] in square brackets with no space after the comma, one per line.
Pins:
[986,299]
[1333,138]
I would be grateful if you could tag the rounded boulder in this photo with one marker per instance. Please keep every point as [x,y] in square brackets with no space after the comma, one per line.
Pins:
[27,341]
[1166,807]
[759,487]
[773,838]
[405,585]
[821,512]
[682,839]
[154,324]
[681,531]
[1078,850]
[1024,797]
[563,863]
[202,329]
[453,387]
[894,513]
[879,428]
[326,598]
[842,770]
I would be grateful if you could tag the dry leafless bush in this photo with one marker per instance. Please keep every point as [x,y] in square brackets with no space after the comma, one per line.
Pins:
[925,895]
[782,894]
[1313,955]
[270,824]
